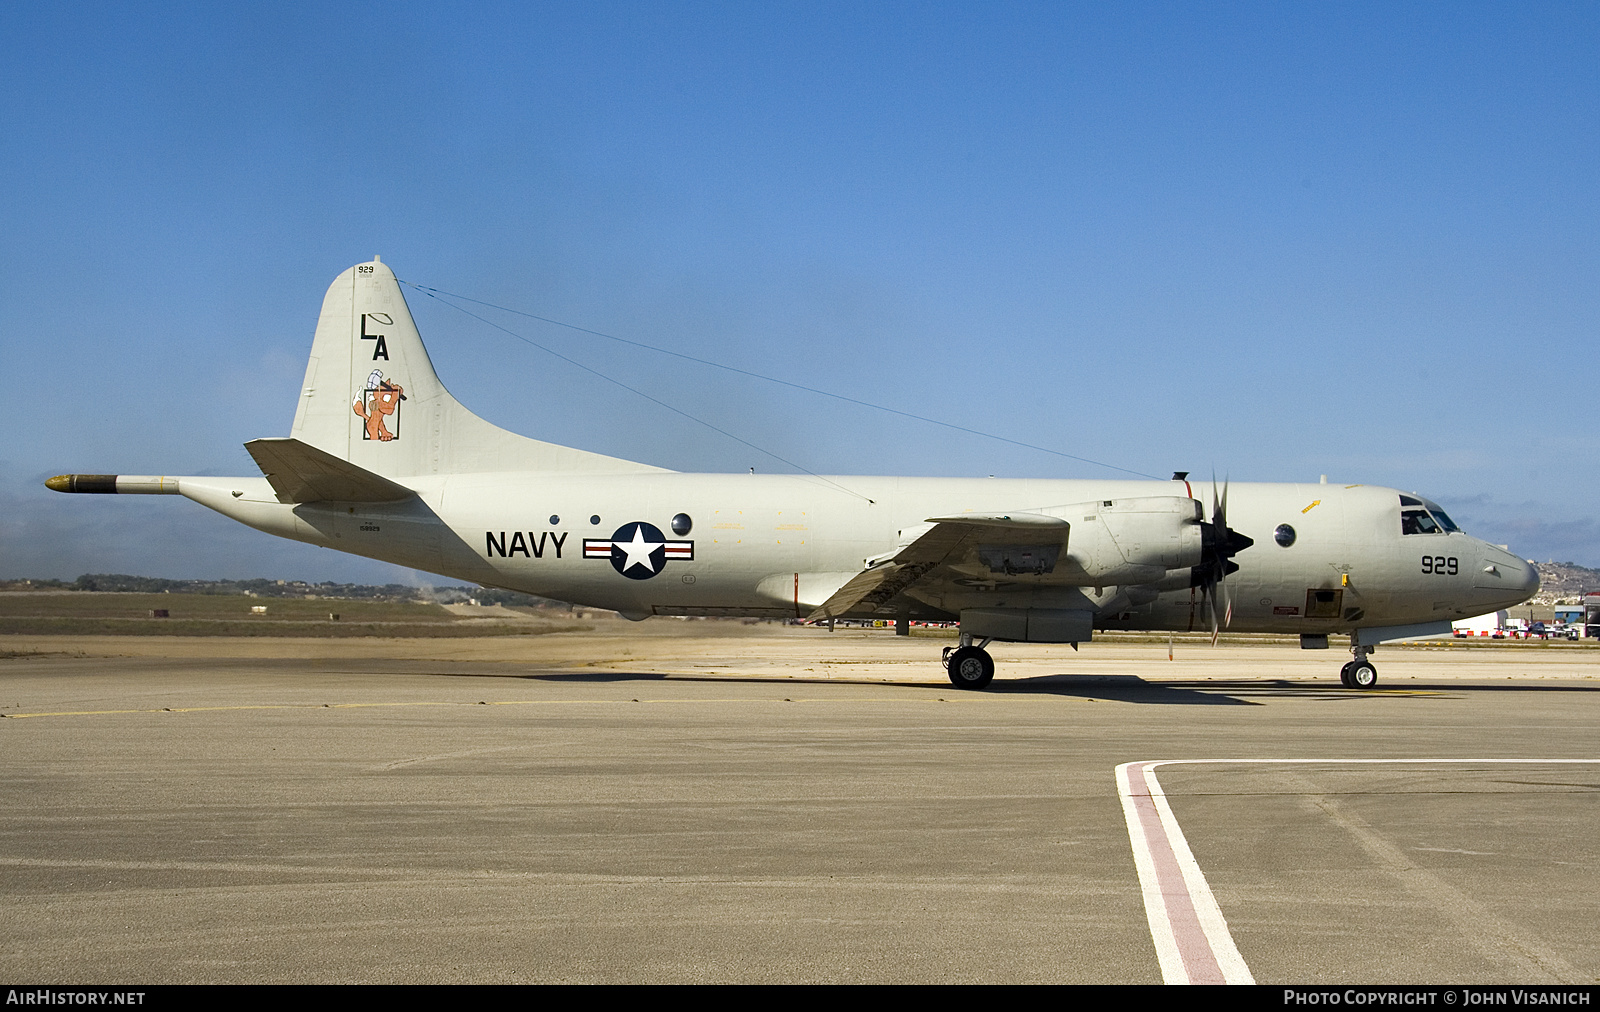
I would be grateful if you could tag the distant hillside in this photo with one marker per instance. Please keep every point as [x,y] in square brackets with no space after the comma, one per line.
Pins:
[1558,581]
[1562,580]
[123,583]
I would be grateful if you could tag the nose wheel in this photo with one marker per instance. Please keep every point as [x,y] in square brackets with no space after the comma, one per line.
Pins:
[1359,673]
[969,667]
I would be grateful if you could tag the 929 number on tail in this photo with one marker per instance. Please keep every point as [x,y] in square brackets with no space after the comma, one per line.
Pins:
[1440,565]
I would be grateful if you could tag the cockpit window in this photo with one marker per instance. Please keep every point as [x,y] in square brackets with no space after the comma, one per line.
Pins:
[1420,516]
[1417,521]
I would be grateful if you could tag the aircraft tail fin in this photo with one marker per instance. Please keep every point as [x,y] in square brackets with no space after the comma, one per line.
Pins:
[371,396]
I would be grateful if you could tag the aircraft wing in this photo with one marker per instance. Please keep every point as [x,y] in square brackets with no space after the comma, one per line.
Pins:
[299,472]
[950,540]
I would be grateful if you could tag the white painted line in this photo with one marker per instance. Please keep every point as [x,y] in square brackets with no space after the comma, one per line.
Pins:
[1193,944]
[1191,937]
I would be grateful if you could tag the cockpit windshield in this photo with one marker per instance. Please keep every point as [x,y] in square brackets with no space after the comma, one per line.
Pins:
[1420,516]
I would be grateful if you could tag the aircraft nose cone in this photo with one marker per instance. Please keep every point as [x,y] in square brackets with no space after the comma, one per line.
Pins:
[1522,575]
[1531,587]
[1514,579]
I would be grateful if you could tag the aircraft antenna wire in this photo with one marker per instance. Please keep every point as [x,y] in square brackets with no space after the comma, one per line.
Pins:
[435,292]
[634,390]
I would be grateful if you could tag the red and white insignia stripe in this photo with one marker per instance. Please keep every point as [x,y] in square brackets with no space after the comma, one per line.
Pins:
[596,548]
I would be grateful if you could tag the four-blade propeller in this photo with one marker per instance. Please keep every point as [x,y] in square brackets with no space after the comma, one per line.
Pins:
[1219,543]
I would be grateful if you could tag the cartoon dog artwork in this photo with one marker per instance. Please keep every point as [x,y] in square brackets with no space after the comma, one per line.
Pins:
[380,399]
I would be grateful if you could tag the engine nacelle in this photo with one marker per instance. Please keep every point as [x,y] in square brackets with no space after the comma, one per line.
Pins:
[1132,541]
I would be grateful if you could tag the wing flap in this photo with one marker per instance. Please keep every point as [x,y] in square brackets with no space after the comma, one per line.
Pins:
[299,472]
[949,540]
[871,588]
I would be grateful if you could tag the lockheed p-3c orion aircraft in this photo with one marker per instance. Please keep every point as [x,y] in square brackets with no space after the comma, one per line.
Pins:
[381,461]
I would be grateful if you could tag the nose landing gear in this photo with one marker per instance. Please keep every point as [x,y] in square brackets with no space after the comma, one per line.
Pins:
[1359,673]
[969,666]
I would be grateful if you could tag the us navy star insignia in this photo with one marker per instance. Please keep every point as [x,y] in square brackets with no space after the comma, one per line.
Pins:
[638,550]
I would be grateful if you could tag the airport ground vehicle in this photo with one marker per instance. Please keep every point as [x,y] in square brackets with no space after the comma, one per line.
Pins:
[1492,624]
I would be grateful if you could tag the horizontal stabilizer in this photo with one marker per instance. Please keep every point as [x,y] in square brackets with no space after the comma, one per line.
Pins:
[299,472]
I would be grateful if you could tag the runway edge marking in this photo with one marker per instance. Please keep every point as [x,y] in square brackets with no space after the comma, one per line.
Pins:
[1193,944]
[1191,936]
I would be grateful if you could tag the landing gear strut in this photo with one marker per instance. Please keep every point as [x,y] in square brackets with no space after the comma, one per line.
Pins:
[969,666]
[1359,673]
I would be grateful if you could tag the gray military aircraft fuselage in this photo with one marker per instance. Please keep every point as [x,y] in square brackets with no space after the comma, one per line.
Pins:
[383,462]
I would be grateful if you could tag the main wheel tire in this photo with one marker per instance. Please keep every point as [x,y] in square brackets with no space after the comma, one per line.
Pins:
[1344,675]
[971,668]
[1363,675]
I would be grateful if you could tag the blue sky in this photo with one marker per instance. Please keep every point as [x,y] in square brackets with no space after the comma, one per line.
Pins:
[1275,240]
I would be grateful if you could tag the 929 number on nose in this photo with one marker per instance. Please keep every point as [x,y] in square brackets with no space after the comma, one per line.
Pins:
[1440,565]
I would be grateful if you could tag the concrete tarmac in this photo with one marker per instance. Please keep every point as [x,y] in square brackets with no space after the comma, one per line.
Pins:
[699,802]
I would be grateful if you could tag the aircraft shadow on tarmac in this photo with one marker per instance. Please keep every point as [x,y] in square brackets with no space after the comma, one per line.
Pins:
[1123,688]
[1237,692]
[1119,688]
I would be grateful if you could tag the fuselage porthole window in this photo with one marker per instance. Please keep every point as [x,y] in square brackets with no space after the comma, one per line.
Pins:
[682,524]
[1283,535]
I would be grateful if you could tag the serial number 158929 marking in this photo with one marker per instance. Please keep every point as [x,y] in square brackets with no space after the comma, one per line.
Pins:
[1440,565]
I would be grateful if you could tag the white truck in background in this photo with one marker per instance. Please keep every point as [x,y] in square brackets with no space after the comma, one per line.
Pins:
[1493,625]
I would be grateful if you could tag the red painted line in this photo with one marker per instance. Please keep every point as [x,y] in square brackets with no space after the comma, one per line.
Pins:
[1199,962]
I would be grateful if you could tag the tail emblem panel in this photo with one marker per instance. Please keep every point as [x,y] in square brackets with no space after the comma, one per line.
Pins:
[378,403]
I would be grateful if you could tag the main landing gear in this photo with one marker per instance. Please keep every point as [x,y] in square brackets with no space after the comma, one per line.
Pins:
[1359,673]
[969,666]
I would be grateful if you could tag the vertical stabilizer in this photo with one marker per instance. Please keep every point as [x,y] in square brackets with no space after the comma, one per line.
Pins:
[371,396]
